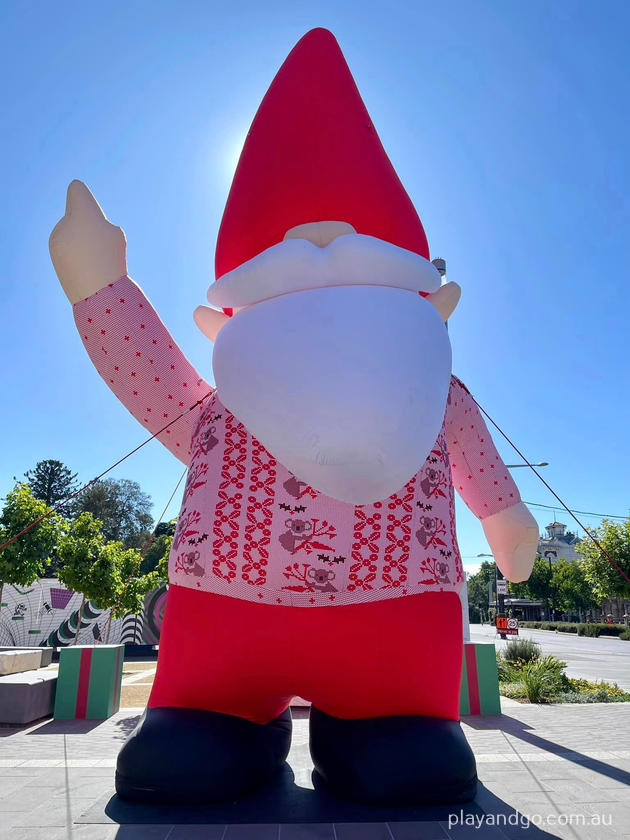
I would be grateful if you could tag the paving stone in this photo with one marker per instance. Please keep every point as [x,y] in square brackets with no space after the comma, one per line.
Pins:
[542,760]
[130,832]
[34,834]
[195,832]
[53,812]
[468,832]
[417,831]
[312,831]
[362,831]
[22,798]
[252,832]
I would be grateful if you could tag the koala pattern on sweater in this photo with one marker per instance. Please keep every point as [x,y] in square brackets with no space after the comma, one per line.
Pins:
[250,529]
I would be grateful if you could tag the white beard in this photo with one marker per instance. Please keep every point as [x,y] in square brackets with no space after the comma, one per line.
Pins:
[346,386]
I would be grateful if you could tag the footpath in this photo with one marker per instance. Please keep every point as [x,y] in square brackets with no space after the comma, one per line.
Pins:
[546,771]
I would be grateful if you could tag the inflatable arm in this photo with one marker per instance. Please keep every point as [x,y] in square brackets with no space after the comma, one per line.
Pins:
[486,486]
[128,343]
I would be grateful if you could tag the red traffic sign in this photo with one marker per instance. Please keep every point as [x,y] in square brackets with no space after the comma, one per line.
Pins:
[507,626]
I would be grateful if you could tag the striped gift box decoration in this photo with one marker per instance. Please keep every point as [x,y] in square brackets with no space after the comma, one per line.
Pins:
[88,686]
[479,693]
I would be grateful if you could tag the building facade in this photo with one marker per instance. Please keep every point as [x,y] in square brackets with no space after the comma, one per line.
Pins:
[558,543]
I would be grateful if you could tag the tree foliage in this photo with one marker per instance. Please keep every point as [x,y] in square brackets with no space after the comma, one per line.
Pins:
[564,584]
[571,589]
[122,507]
[604,578]
[88,563]
[156,557]
[105,572]
[132,584]
[51,481]
[478,584]
[27,558]
[538,586]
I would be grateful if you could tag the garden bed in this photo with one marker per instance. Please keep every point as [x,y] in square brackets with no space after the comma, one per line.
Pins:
[527,676]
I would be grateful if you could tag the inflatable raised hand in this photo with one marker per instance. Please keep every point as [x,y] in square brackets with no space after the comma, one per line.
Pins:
[315,552]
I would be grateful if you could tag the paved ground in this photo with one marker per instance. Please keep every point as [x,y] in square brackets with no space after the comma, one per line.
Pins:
[604,658]
[554,764]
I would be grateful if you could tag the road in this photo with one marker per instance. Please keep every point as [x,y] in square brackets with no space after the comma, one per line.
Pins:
[604,658]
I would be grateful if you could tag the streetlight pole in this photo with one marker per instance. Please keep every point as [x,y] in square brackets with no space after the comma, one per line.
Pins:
[539,464]
[499,598]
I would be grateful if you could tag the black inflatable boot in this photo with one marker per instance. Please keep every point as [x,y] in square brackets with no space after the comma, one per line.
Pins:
[406,760]
[193,756]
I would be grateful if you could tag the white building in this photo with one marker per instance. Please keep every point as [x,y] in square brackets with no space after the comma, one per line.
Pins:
[557,543]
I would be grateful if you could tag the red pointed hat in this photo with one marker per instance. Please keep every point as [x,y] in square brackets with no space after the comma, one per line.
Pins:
[311,155]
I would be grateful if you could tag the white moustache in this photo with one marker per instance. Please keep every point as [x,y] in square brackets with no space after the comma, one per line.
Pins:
[296,265]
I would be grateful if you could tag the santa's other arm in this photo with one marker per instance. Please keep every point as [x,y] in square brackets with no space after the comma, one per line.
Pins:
[122,333]
[486,486]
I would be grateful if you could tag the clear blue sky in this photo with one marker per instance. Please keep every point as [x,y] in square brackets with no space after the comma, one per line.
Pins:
[507,122]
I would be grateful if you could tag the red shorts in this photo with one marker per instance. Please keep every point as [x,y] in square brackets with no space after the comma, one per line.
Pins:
[401,656]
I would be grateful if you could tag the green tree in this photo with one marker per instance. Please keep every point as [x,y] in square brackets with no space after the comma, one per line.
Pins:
[104,572]
[156,556]
[607,582]
[122,507]
[86,565]
[478,584]
[51,481]
[132,585]
[572,591]
[538,587]
[27,558]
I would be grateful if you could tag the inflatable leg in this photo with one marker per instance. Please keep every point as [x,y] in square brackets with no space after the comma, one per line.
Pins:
[204,736]
[194,756]
[405,760]
[394,737]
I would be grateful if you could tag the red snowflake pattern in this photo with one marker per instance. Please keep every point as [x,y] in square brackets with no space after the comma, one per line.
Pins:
[398,535]
[259,516]
[227,511]
[365,547]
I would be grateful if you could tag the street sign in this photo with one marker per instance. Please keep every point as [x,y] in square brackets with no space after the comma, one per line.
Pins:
[507,626]
[501,586]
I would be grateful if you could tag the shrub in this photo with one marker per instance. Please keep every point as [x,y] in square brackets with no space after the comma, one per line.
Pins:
[584,691]
[514,690]
[507,672]
[625,635]
[610,629]
[543,677]
[519,651]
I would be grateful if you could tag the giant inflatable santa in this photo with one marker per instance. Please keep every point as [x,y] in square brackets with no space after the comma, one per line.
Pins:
[315,551]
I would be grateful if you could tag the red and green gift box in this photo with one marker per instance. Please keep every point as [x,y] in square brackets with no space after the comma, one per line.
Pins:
[88,685]
[479,693]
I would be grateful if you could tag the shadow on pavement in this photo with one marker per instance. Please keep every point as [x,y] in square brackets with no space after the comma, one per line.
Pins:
[518,729]
[284,802]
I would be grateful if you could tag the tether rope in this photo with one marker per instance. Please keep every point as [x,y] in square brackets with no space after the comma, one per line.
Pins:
[98,477]
[143,551]
[553,493]
[133,451]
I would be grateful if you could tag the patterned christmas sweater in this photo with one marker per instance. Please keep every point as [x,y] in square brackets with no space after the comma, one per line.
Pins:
[250,529]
